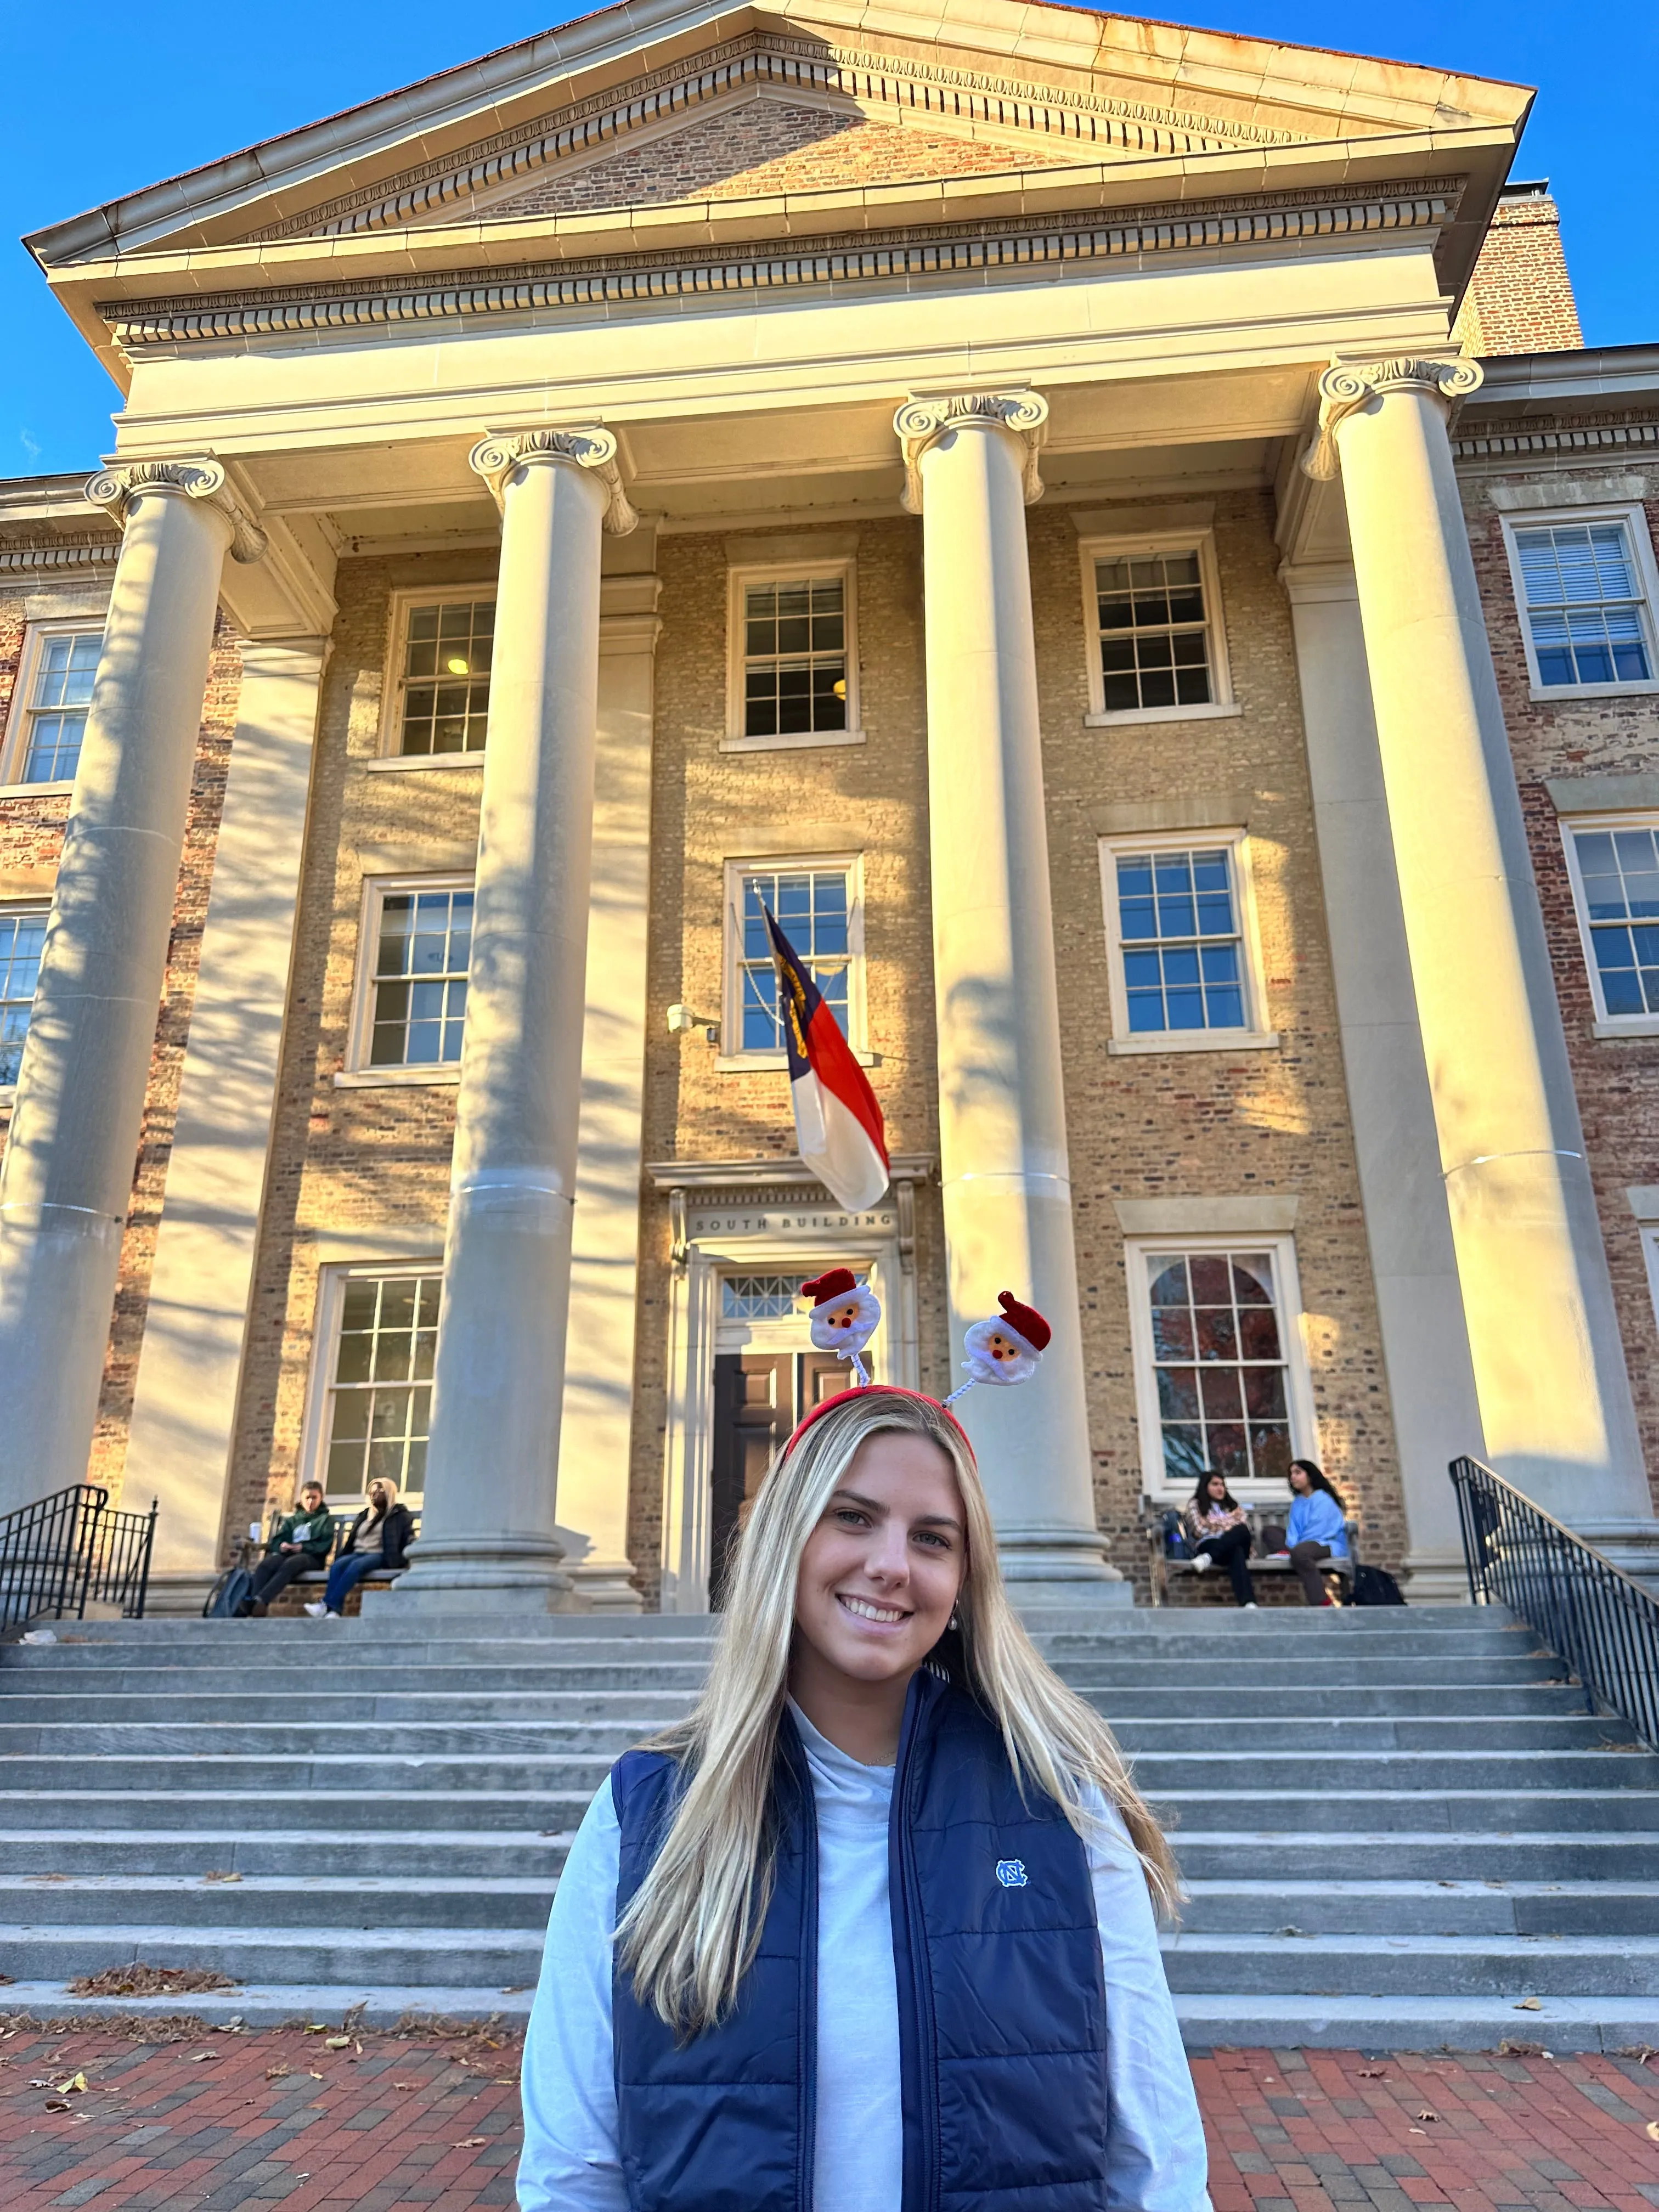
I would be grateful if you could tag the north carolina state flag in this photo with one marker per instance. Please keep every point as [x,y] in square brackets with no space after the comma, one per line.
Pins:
[838,1126]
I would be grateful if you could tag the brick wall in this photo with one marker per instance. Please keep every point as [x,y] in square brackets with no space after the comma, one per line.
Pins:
[1520,298]
[763,146]
[1617,1078]
[31,837]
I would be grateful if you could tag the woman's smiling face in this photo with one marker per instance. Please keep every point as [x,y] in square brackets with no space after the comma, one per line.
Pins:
[880,1574]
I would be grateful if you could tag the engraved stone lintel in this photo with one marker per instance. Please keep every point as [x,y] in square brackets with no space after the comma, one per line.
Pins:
[919,421]
[1352,384]
[115,488]
[496,457]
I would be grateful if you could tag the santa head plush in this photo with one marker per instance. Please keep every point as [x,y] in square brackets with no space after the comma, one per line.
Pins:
[846,1315]
[1008,1347]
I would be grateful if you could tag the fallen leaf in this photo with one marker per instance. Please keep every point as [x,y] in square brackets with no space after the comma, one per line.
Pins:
[1428,2116]
[216,1875]
[1373,2074]
[471,2142]
[503,2081]
[515,1988]
[56,2105]
[337,2043]
[197,2056]
[407,2084]
[315,2076]
[76,2084]
[1529,2004]
[1653,2129]
[1417,2131]
[318,2027]
[277,2073]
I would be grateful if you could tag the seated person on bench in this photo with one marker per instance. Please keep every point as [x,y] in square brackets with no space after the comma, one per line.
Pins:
[1318,1529]
[375,1543]
[301,1539]
[1217,1531]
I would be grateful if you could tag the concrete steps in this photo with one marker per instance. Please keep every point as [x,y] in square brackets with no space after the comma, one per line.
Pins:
[1397,1827]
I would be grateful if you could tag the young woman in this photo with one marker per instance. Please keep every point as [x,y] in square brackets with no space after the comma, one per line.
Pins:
[1318,1528]
[1217,1531]
[873,1930]
[378,1538]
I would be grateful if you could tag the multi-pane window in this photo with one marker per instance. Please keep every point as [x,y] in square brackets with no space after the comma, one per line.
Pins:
[814,910]
[794,657]
[1179,939]
[758,1297]
[1583,604]
[418,1002]
[1219,1365]
[381,1396]
[447,648]
[22,933]
[55,709]
[1618,870]
[1153,632]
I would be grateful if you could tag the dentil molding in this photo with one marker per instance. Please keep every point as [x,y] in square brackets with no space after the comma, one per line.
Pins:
[1343,391]
[495,458]
[114,490]
[919,421]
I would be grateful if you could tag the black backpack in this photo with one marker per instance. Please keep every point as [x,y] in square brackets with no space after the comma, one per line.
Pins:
[225,1599]
[1375,1586]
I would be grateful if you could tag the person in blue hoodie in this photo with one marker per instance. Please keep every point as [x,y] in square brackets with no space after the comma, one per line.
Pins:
[1318,1528]
[873,1928]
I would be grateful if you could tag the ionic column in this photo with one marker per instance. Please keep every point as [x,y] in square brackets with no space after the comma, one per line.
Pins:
[67,1176]
[487,1527]
[1549,1367]
[971,464]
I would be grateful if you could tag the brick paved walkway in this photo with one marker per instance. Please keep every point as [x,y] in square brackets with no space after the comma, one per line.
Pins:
[385,2122]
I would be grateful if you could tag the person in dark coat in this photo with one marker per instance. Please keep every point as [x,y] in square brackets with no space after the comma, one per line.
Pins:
[377,1542]
[300,1539]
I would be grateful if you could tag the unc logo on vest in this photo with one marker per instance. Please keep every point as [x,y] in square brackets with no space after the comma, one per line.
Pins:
[1010,1873]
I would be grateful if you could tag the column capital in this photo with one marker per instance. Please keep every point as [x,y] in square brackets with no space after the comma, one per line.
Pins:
[495,458]
[1352,384]
[919,421]
[115,488]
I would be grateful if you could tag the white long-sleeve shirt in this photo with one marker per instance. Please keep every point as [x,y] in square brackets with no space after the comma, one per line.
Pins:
[1155,2154]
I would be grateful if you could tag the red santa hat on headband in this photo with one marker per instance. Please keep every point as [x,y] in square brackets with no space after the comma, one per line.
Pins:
[1008,1348]
[846,1315]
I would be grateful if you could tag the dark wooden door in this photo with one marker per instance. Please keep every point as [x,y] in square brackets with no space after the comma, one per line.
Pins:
[758,1398]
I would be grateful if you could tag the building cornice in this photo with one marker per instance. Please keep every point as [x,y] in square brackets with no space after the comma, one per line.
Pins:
[1509,442]
[915,91]
[706,1180]
[604,282]
[81,551]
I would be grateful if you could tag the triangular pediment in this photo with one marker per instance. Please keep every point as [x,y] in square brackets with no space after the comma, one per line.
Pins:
[665,99]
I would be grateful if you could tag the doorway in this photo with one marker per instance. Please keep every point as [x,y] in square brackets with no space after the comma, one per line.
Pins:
[758,1398]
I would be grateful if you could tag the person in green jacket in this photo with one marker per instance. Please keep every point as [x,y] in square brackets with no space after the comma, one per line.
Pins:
[300,1539]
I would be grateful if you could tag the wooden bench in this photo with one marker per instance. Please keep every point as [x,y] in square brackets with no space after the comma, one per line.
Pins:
[1164,1567]
[308,1587]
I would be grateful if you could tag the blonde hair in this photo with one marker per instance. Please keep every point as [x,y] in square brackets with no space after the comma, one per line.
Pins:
[692,1927]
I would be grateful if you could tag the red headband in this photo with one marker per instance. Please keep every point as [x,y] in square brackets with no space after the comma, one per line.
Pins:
[866,1391]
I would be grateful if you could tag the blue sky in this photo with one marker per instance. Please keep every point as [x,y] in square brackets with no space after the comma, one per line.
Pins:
[106,97]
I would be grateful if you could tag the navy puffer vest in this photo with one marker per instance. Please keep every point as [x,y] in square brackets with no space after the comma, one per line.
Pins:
[1002,2006]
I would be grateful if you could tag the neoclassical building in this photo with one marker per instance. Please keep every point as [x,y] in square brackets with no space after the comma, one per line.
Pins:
[1110,529]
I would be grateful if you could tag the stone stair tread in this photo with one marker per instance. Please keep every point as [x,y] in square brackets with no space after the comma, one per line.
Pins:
[1414,2023]
[269,2004]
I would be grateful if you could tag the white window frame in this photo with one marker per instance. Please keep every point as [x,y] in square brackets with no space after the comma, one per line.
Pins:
[15,748]
[332,1280]
[1299,1380]
[8,1091]
[1633,515]
[1201,541]
[1254,1036]
[1606,1024]
[358,1074]
[1650,1232]
[741,577]
[387,756]
[732,1059]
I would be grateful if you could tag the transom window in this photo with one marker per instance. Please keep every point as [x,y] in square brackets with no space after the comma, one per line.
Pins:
[794,664]
[1153,631]
[1583,604]
[814,907]
[1617,881]
[59,693]
[758,1297]
[1219,1365]
[448,649]
[22,934]
[1181,941]
[380,1393]
[423,943]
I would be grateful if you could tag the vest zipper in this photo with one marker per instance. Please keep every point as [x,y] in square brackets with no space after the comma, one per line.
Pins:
[806,2107]
[918,2049]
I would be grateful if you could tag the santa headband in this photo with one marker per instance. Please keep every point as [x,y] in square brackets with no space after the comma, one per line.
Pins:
[845,1313]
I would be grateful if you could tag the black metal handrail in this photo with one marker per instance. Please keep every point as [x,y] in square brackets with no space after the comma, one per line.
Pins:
[1592,1614]
[69,1551]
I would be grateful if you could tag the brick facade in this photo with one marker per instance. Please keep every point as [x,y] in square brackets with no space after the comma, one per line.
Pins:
[1520,298]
